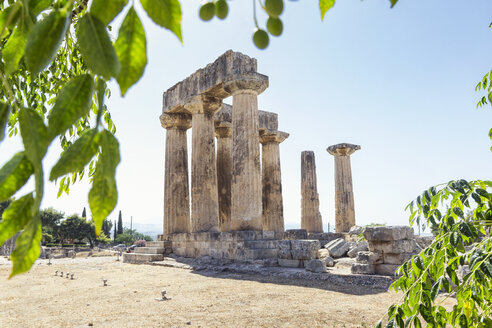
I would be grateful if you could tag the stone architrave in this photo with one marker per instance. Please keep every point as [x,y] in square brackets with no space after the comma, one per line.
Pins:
[223,132]
[273,208]
[310,215]
[344,194]
[204,196]
[176,194]
[246,175]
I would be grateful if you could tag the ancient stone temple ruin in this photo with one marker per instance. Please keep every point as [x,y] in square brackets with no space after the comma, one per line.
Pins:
[235,208]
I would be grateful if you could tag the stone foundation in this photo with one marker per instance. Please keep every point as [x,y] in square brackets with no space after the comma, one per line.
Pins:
[234,245]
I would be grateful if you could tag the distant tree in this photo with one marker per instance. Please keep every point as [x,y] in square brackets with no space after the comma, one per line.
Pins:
[84,214]
[115,233]
[4,205]
[50,221]
[77,228]
[106,227]
[120,224]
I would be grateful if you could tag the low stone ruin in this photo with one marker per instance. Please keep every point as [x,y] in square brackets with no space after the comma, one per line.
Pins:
[389,247]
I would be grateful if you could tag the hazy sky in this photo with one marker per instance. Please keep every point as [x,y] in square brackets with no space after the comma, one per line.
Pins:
[399,82]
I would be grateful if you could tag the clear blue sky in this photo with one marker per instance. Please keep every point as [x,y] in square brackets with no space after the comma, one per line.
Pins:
[399,82]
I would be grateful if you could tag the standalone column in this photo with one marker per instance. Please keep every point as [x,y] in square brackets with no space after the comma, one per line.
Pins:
[204,197]
[246,176]
[223,131]
[176,194]
[273,208]
[310,216]
[344,193]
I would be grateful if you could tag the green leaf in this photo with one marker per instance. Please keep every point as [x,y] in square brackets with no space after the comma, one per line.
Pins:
[426,312]
[27,247]
[96,47]
[72,103]
[131,49]
[15,217]
[37,6]
[4,117]
[391,323]
[324,6]
[34,135]
[416,322]
[77,155]
[463,321]
[166,13]
[107,10]
[14,174]
[458,212]
[8,17]
[393,3]
[104,195]
[45,39]
[379,324]
[14,48]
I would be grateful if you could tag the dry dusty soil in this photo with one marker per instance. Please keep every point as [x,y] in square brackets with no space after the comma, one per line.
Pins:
[198,299]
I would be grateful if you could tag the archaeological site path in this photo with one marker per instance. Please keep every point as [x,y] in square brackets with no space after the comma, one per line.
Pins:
[198,299]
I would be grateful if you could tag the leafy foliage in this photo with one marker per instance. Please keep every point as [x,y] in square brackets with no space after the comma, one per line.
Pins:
[462,241]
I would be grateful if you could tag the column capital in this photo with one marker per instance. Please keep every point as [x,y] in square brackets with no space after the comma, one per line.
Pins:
[272,136]
[342,149]
[223,130]
[175,120]
[253,83]
[203,104]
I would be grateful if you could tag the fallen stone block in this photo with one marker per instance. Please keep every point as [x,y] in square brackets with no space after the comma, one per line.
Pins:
[388,233]
[395,246]
[386,269]
[315,265]
[360,268]
[323,253]
[389,258]
[356,230]
[360,247]
[290,263]
[337,247]
[367,257]
[329,261]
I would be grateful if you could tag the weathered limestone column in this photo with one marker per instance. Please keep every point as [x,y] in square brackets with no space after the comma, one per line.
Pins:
[344,194]
[223,131]
[176,194]
[273,207]
[246,176]
[310,215]
[204,197]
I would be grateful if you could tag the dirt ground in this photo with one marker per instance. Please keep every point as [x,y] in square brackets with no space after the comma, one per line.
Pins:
[198,299]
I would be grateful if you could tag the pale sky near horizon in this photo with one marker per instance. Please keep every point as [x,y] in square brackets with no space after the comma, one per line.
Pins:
[399,82]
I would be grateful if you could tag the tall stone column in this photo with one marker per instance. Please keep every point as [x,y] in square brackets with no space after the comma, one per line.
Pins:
[246,176]
[310,215]
[223,131]
[204,197]
[344,193]
[273,207]
[176,194]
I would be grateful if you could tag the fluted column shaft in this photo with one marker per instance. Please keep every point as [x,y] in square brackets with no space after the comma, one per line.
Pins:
[176,194]
[246,211]
[344,194]
[273,208]
[204,197]
[224,176]
[310,215]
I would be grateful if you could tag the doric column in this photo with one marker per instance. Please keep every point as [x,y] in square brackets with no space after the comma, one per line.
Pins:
[273,208]
[223,131]
[204,197]
[176,194]
[310,216]
[344,193]
[246,176]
